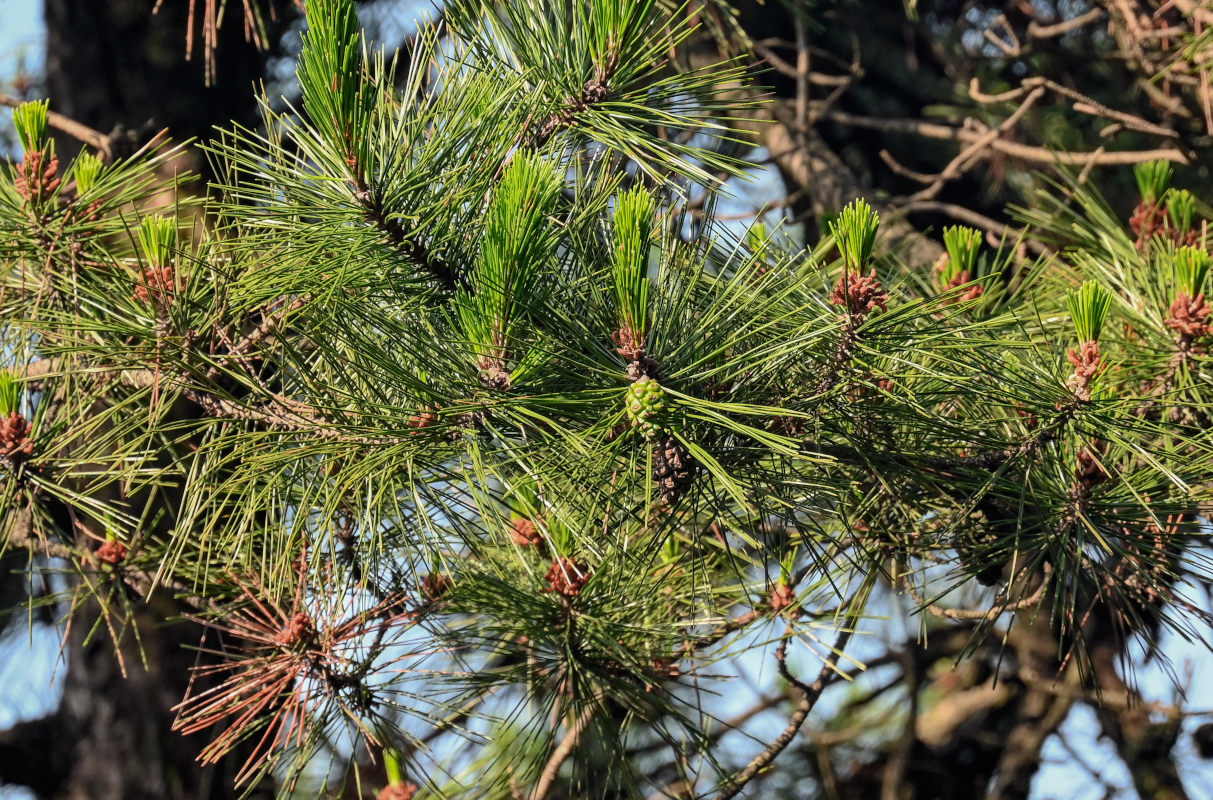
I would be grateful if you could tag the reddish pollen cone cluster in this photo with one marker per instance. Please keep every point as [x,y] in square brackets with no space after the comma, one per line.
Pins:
[298,630]
[1087,364]
[628,343]
[15,441]
[398,791]
[37,183]
[423,420]
[860,294]
[960,279]
[1190,316]
[159,285]
[434,586]
[781,597]
[111,551]
[525,533]
[567,577]
[972,293]
[1149,220]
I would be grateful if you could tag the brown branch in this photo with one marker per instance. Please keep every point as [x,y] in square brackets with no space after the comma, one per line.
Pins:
[240,350]
[142,582]
[736,782]
[1031,153]
[562,753]
[989,615]
[956,167]
[971,217]
[393,229]
[1038,31]
[1082,103]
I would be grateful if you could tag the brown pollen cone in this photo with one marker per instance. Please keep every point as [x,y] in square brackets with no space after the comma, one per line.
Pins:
[567,577]
[525,533]
[111,551]
[781,597]
[860,294]
[35,182]
[298,630]
[15,442]
[1087,365]
[1190,316]
[158,285]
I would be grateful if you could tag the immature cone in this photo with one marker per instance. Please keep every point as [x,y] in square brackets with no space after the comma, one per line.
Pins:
[674,468]
[644,404]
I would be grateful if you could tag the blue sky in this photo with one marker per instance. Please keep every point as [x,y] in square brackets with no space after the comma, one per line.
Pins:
[21,36]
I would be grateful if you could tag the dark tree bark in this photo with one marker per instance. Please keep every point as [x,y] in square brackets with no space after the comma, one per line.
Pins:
[110,737]
[116,66]
[119,69]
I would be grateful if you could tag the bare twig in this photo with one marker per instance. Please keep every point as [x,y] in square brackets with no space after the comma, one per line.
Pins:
[970,217]
[1038,155]
[957,165]
[562,752]
[1038,31]
[988,615]
[736,782]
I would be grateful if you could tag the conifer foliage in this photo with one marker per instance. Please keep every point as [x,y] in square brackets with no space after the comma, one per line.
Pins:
[475,463]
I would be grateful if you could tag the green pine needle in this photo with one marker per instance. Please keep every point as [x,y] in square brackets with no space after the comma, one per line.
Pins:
[336,94]
[635,214]
[158,238]
[855,233]
[1153,180]
[10,393]
[519,242]
[1181,208]
[1089,307]
[1191,268]
[87,170]
[30,120]
[963,245]
[392,763]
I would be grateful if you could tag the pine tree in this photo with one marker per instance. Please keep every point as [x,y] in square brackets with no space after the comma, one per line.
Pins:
[479,459]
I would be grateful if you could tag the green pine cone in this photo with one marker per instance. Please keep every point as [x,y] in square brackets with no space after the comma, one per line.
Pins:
[644,404]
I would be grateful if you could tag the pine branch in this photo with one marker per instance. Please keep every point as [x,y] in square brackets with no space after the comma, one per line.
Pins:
[562,753]
[809,695]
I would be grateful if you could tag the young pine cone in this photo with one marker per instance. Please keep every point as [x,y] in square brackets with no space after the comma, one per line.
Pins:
[644,404]
[674,468]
